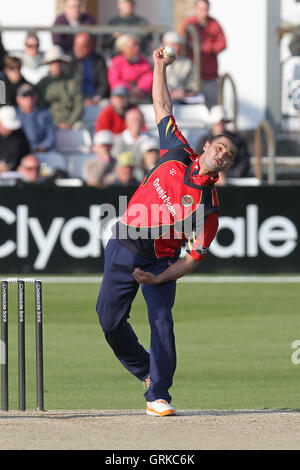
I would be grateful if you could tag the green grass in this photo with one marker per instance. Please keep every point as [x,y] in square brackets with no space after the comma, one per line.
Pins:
[233,349]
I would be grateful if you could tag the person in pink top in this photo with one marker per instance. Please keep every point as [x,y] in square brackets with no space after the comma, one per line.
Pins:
[131,69]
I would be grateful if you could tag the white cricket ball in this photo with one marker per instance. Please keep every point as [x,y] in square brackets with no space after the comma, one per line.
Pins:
[168,52]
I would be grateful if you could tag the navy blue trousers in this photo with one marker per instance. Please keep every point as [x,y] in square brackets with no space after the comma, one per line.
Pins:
[117,292]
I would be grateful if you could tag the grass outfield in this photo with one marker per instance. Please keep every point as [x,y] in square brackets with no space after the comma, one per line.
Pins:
[233,349]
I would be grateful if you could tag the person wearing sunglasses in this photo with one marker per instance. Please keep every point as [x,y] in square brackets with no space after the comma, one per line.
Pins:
[32,69]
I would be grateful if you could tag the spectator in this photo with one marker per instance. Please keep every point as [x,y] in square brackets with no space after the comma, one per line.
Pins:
[241,164]
[123,171]
[29,168]
[131,69]
[112,117]
[71,16]
[180,74]
[89,68]
[150,152]
[59,92]
[13,142]
[12,78]
[36,122]
[127,17]
[96,169]
[132,138]
[2,54]
[213,42]
[31,69]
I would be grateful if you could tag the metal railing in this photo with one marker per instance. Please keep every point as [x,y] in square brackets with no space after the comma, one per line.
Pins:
[94,30]
[191,31]
[222,80]
[265,130]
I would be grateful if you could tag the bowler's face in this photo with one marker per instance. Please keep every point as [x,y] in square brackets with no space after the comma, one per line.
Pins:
[219,154]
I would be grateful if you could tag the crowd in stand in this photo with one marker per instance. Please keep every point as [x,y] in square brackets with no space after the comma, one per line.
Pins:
[48,93]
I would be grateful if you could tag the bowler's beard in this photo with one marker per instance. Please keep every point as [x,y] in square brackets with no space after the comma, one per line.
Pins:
[214,165]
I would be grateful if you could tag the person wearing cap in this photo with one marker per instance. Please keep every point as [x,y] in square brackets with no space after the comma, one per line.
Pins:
[95,169]
[112,116]
[176,205]
[213,42]
[218,125]
[130,68]
[71,16]
[59,92]
[37,123]
[12,78]
[127,17]
[181,73]
[150,152]
[13,141]
[89,68]
[123,173]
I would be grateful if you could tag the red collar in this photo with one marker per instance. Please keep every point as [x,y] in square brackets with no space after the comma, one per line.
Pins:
[201,180]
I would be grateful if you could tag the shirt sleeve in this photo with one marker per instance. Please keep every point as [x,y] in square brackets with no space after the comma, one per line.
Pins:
[169,135]
[201,238]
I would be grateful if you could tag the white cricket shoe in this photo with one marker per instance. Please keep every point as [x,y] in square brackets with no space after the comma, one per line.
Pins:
[159,408]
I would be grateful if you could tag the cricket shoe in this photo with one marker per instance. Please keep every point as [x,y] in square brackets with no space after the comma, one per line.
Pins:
[159,408]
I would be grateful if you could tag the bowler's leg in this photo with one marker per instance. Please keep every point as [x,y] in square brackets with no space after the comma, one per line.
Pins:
[117,292]
[160,300]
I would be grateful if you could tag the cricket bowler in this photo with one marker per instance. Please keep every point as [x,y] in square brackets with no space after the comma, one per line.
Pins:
[176,204]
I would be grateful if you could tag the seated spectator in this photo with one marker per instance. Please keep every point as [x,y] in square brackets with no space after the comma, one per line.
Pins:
[12,78]
[96,169]
[36,122]
[131,69]
[13,141]
[112,117]
[127,17]
[32,69]
[72,16]
[123,171]
[151,155]
[241,164]
[29,168]
[60,93]
[2,54]
[180,74]
[133,137]
[89,68]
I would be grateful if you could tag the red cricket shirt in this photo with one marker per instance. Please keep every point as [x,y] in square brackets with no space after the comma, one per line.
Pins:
[173,204]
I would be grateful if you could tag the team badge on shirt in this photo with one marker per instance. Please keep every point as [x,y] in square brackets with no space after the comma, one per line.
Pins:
[187,200]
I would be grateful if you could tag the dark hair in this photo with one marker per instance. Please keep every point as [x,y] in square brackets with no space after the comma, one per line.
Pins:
[228,136]
[10,61]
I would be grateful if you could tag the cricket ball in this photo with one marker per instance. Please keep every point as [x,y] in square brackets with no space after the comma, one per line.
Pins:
[168,52]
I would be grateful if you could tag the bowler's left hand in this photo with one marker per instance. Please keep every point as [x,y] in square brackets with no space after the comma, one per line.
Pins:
[144,277]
